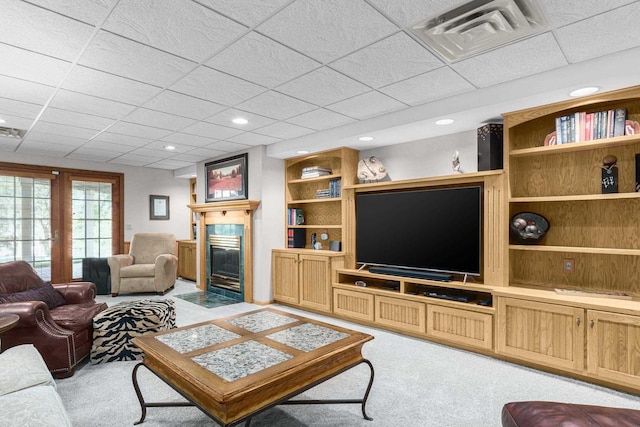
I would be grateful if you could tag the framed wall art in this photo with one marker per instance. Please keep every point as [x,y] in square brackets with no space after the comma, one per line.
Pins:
[158,207]
[226,179]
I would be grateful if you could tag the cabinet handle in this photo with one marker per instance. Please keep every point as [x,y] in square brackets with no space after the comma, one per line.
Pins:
[592,324]
[577,321]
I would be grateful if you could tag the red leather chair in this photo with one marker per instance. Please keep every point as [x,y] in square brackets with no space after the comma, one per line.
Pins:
[56,319]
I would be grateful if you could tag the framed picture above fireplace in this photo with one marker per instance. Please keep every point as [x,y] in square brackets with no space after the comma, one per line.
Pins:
[226,179]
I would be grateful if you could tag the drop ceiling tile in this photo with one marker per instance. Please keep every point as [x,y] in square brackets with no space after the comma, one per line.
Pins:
[225,118]
[11,107]
[38,30]
[52,139]
[186,29]
[150,152]
[160,145]
[284,130]
[170,164]
[367,105]
[109,138]
[92,154]
[562,12]
[81,103]
[209,130]
[89,11]
[187,139]
[320,119]
[390,60]
[63,130]
[429,86]
[226,146]
[249,12]
[16,122]
[253,139]
[109,146]
[183,105]
[322,87]
[134,129]
[188,157]
[407,12]
[104,85]
[530,56]
[72,118]
[117,55]
[23,90]
[9,144]
[261,60]
[135,159]
[44,148]
[596,36]
[207,153]
[212,85]
[30,66]
[158,119]
[275,105]
[327,30]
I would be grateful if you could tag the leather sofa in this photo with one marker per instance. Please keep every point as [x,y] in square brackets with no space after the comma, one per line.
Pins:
[56,319]
[150,265]
[554,414]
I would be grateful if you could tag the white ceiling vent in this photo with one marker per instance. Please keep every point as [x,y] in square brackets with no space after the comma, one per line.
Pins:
[12,132]
[478,26]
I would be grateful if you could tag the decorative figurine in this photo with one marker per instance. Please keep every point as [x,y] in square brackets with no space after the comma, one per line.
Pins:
[609,174]
[371,169]
[455,162]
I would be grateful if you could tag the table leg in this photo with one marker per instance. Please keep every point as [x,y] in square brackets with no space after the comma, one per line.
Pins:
[363,401]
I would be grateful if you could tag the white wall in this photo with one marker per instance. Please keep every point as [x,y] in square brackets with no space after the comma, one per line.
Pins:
[139,183]
[428,157]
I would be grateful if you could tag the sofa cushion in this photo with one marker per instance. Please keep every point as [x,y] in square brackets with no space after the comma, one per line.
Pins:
[138,270]
[45,292]
[21,367]
[18,276]
[34,406]
[76,317]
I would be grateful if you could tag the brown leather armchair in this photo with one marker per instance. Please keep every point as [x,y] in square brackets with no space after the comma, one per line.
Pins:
[58,321]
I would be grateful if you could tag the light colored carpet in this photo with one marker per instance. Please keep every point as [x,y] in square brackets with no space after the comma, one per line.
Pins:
[417,383]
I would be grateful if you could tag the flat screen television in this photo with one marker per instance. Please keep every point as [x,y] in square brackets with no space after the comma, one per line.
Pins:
[437,230]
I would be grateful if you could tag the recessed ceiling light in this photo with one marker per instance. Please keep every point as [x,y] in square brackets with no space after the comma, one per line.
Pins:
[169,147]
[302,152]
[584,91]
[240,121]
[2,121]
[443,122]
[366,138]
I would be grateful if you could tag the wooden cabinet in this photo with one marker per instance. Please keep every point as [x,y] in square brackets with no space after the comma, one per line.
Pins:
[193,199]
[465,327]
[352,304]
[613,347]
[597,233]
[400,314]
[304,278]
[187,254]
[547,334]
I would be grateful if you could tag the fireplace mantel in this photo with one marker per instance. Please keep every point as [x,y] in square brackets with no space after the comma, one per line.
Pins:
[231,212]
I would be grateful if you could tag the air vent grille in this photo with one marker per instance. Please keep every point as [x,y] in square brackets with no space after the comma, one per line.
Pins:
[479,26]
[12,132]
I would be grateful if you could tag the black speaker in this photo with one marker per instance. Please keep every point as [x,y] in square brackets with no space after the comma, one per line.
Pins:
[490,147]
[97,270]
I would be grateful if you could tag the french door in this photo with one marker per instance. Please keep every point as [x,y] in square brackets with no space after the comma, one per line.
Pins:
[53,218]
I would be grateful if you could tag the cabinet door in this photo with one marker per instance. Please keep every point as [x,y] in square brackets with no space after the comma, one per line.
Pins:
[548,334]
[613,347]
[284,268]
[462,326]
[315,282]
[400,314]
[187,260]
[357,305]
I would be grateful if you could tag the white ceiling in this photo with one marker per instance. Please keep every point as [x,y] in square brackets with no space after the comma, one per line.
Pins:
[117,81]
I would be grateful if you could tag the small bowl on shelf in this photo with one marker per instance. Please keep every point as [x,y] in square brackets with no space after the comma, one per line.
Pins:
[528,228]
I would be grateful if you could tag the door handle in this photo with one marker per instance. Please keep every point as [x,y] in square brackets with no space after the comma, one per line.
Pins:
[577,321]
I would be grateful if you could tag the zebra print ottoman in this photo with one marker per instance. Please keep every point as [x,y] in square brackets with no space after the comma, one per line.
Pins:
[114,328]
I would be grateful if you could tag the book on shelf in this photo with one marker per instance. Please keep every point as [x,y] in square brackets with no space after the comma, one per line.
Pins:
[295,216]
[583,126]
[315,171]
[335,187]
[296,238]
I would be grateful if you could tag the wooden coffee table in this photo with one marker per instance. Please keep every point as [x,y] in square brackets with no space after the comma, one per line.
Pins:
[236,367]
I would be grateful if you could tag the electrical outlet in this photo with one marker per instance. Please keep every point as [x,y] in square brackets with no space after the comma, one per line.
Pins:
[568,265]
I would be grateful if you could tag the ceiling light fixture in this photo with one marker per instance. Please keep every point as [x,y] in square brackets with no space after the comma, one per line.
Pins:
[240,121]
[443,122]
[3,121]
[584,91]
[365,138]
[169,147]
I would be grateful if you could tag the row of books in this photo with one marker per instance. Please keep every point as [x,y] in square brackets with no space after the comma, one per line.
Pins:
[314,172]
[296,238]
[583,126]
[295,216]
[334,190]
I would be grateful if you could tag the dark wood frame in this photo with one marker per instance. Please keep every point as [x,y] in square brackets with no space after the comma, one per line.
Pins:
[153,215]
[219,170]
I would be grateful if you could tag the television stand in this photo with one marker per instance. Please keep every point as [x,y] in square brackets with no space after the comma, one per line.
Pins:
[429,275]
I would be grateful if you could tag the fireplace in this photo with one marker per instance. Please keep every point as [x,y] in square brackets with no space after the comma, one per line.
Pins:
[225,260]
